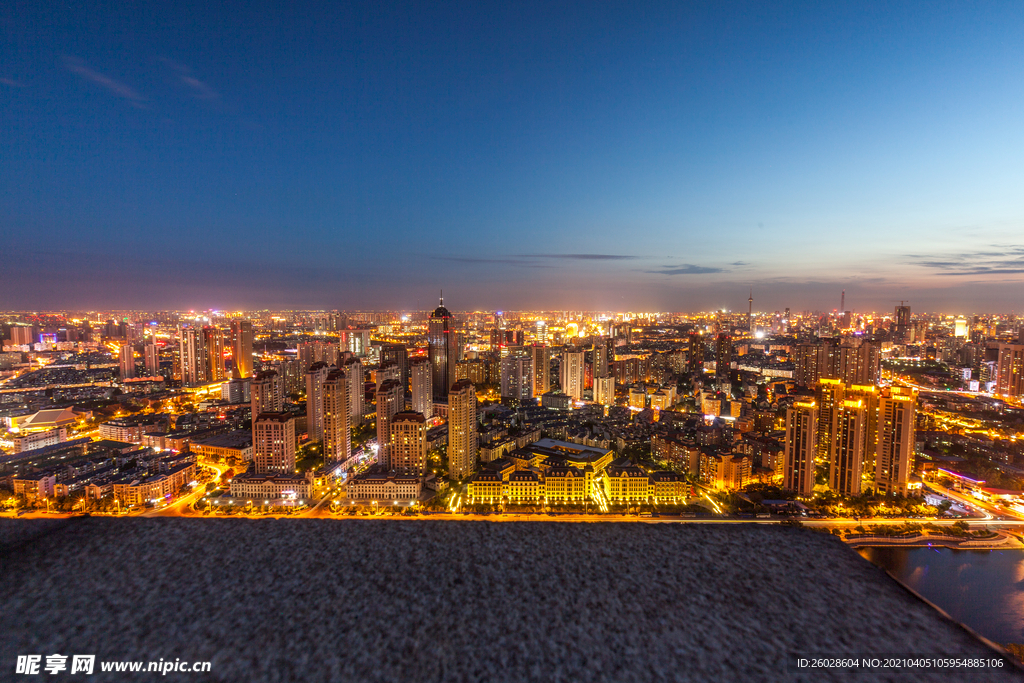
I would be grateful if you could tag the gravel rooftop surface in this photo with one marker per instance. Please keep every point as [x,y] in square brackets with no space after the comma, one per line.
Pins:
[423,601]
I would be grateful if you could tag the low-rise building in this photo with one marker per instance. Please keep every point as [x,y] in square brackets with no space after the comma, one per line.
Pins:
[566,483]
[523,486]
[271,485]
[626,483]
[384,487]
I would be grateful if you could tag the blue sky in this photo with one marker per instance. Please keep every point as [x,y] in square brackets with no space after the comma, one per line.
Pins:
[598,155]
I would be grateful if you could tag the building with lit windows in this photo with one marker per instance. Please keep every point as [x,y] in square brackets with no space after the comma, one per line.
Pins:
[625,484]
[801,447]
[337,433]
[894,454]
[266,393]
[462,430]
[409,442]
[390,402]
[241,347]
[257,487]
[572,373]
[422,391]
[1010,377]
[565,483]
[384,488]
[442,350]
[486,486]
[523,486]
[517,378]
[274,442]
[316,375]
[541,369]
[356,391]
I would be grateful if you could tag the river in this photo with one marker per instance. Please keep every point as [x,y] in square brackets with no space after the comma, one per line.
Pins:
[983,589]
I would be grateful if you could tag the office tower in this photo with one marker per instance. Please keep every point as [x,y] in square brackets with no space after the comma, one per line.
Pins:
[266,393]
[337,434]
[399,355]
[846,459]
[152,357]
[356,342]
[390,402]
[696,353]
[571,371]
[192,357]
[315,378]
[127,358]
[354,375]
[462,430]
[213,340]
[541,333]
[517,377]
[274,442]
[902,331]
[1010,377]
[895,442]
[241,347]
[442,350]
[388,371]
[801,446]
[409,443]
[541,369]
[827,396]
[317,352]
[422,394]
[723,354]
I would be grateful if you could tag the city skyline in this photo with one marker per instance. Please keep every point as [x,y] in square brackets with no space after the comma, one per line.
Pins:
[664,159]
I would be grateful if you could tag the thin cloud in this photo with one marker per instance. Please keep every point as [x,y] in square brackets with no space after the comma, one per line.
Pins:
[11,82]
[997,259]
[686,269]
[200,90]
[78,66]
[580,257]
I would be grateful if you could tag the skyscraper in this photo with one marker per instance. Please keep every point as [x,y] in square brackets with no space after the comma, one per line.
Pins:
[337,434]
[1010,378]
[315,378]
[695,363]
[604,390]
[399,355]
[602,356]
[541,369]
[241,347]
[266,393]
[723,354]
[846,462]
[801,446]
[213,340]
[192,357]
[354,376]
[390,401]
[388,370]
[152,358]
[462,430]
[895,442]
[127,358]
[827,395]
[571,371]
[409,442]
[442,350]
[902,330]
[422,394]
[356,342]
[517,377]
[274,442]
[317,352]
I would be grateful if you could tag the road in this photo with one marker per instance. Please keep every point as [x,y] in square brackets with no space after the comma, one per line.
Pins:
[181,506]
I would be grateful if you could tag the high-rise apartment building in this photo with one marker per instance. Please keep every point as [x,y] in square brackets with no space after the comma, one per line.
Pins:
[152,358]
[800,448]
[462,430]
[572,373]
[895,442]
[442,349]
[604,390]
[846,463]
[902,329]
[274,442]
[192,357]
[317,352]
[517,378]
[356,342]
[723,354]
[337,434]
[390,402]
[315,378]
[695,358]
[1010,377]
[541,369]
[241,347]
[399,355]
[213,340]
[602,357]
[356,391]
[422,393]
[827,396]
[409,442]
[387,371]
[127,359]
[266,393]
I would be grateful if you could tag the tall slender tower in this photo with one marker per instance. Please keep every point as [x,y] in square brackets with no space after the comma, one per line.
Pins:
[213,339]
[152,356]
[356,392]
[266,393]
[846,463]
[750,312]
[443,350]
[894,450]
[541,369]
[572,373]
[192,358]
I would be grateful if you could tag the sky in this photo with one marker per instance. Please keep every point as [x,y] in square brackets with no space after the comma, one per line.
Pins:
[599,155]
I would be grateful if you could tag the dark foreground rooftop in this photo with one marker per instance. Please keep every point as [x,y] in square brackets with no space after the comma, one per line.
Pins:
[327,600]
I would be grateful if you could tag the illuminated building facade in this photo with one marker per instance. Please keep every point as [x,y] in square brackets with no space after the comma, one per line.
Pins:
[337,433]
[462,430]
[409,443]
[801,447]
[390,402]
[422,392]
[315,378]
[442,350]
[274,442]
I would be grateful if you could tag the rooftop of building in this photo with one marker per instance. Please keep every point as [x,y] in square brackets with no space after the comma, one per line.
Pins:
[619,602]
